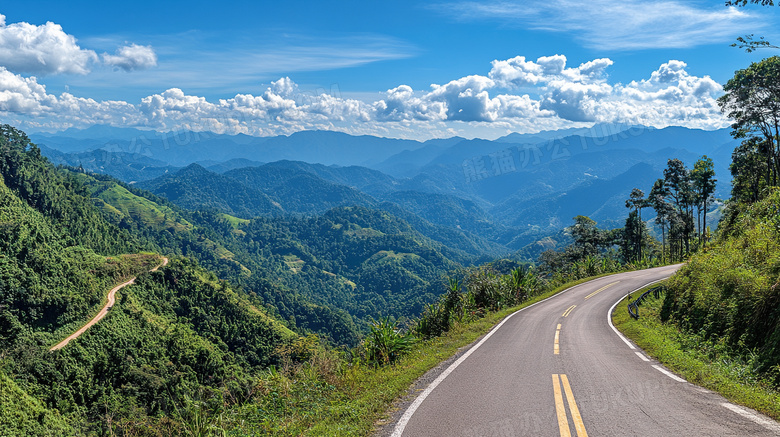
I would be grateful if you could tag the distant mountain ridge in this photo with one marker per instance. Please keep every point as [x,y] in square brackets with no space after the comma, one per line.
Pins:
[504,193]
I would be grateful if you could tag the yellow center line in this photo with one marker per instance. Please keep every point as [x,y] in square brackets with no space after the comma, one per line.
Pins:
[560,409]
[556,349]
[568,311]
[575,412]
[600,290]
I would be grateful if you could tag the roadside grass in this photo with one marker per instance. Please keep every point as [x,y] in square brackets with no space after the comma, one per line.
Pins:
[352,399]
[707,363]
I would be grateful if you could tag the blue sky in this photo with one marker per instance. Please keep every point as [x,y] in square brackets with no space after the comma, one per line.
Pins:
[400,69]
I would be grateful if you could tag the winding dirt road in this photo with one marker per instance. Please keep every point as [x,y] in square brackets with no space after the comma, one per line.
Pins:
[104,310]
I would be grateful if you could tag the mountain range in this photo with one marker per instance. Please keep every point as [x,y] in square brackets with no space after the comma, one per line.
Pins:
[486,197]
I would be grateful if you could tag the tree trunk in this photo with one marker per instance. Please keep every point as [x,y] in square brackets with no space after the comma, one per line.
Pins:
[663,243]
[704,224]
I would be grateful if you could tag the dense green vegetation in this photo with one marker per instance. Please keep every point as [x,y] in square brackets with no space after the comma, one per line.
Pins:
[196,188]
[329,274]
[719,323]
[729,294]
[23,415]
[299,191]
[176,334]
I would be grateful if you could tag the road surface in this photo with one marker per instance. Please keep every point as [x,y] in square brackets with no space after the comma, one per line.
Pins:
[558,368]
[104,310]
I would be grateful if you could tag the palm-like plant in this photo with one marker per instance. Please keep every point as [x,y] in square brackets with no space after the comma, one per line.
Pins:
[386,343]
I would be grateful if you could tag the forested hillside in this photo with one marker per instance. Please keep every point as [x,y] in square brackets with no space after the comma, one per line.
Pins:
[288,188]
[194,187]
[177,333]
[329,274]
[325,273]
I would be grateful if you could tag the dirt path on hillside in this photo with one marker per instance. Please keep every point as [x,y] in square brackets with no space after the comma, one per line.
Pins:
[104,310]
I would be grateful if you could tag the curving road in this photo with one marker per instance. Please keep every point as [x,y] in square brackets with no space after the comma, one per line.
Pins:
[103,311]
[558,368]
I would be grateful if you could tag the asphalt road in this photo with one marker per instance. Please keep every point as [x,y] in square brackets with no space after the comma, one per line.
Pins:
[513,383]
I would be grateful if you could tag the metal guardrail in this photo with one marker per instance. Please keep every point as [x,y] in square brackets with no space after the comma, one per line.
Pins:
[633,307]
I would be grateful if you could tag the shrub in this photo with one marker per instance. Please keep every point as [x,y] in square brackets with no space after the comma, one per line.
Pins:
[385,342]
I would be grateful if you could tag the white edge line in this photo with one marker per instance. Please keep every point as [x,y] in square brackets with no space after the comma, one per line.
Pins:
[773,426]
[642,356]
[766,423]
[404,420]
[626,341]
[668,373]
[612,308]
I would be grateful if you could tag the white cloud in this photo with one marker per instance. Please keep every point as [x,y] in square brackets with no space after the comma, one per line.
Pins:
[23,100]
[670,96]
[401,103]
[575,101]
[43,50]
[132,57]
[47,50]
[518,72]
[552,96]
[22,95]
[618,24]
[466,98]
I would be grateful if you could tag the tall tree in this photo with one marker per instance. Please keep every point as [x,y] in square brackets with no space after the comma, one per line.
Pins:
[752,100]
[587,237]
[657,199]
[749,170]
[678,180]
[703,180]
[637,201]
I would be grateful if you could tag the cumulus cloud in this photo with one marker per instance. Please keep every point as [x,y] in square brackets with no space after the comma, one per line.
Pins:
[42,50]
[466,99]
[401,104]
[518,72]
[517,94]
[670,96]
[132,57]
[47,50]
[25,97]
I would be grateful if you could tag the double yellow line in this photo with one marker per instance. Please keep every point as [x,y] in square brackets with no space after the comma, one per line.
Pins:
[600,290]
[563,381]
[560,409]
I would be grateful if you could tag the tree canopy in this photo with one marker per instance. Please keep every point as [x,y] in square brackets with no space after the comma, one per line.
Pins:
[752,100]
